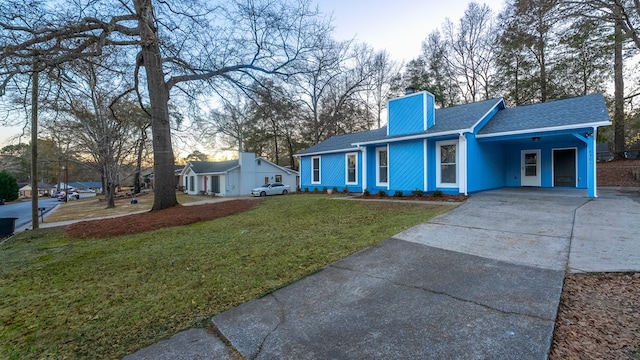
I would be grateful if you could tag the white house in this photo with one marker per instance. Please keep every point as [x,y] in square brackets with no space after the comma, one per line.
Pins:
[234,177]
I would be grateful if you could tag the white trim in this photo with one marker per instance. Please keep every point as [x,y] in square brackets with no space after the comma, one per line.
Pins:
[378,182]
[553,164]
[538,182]
[412,137]
[425,105]
[346,168]
[425,163]
[327,152]
[364,168]
[545,129]
[439,144]
[319,170]
[461,155]
[487,113]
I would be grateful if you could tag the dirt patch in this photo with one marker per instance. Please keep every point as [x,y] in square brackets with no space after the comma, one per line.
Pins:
[618,173]
[598,317]
[175,216]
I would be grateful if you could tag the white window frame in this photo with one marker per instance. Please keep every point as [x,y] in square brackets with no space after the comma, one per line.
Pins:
[319,170]
[439,145]
[346,168]
[378,150]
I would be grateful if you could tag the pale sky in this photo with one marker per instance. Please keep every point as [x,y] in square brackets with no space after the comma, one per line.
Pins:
[398,26]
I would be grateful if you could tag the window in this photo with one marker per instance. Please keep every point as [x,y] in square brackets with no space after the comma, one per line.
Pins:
[447,170]
[278,178]
[382,171]
[351,168]
[315,170]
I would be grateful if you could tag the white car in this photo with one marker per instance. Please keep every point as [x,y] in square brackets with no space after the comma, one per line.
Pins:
[271,189]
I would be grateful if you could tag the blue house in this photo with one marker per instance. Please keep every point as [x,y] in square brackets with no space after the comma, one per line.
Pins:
[464,149]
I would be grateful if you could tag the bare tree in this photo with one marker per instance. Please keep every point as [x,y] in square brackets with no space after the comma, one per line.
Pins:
[175,42]
[384,72]
[471,50]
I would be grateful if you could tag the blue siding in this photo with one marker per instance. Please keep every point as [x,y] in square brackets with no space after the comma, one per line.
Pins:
[513,161]
[305,172]
[485,165]
[371,171]
[406,166]
[332,173]
[407,114]
[432,165]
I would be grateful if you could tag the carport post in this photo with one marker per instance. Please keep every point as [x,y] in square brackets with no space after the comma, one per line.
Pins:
[591,164]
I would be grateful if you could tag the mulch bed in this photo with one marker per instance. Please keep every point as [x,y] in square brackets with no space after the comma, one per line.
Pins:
[599,313]
[618,173]
[175,216]
[443,197]
[598,317]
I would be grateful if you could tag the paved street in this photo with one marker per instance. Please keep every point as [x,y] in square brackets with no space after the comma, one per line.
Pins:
[22,209]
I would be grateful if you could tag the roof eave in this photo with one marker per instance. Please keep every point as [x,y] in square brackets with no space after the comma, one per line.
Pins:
[327,152]
[543,129]
[414,137]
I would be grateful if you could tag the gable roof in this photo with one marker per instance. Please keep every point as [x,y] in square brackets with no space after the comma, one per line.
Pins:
[583,111]
[451,119]
[206,167]
[345,142]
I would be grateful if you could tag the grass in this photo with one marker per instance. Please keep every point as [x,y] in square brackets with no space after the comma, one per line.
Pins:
[92,207]
[106,298]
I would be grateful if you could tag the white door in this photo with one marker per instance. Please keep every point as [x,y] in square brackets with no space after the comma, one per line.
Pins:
[530,168]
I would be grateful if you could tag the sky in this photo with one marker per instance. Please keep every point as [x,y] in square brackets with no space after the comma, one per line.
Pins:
[398,26]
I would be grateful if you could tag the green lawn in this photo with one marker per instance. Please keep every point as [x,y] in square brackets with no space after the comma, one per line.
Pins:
[64,298]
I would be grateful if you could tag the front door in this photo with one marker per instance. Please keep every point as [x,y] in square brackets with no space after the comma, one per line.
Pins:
[564,167]
[530,168]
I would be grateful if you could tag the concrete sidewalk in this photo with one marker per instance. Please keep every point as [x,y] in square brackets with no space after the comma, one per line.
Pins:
[481,281]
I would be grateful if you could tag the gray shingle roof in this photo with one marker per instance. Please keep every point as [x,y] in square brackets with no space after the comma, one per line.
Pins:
[206,167]
[567,112]
[341,142]
[461,117]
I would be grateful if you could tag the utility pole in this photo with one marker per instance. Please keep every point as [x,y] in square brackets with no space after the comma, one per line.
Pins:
[34,149]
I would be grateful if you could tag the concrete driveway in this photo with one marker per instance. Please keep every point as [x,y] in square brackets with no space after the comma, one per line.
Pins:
[482,281]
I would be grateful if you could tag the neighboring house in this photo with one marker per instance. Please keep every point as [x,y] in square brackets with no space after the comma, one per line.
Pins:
[93,186]
[463,149]
[24,189]
[234,177]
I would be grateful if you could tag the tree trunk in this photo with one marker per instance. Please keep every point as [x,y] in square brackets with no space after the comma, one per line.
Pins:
[618,93]
[163,161]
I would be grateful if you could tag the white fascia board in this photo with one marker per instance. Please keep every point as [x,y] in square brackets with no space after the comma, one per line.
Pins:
[413,137]
[546,129]
[327,152]
[487,113]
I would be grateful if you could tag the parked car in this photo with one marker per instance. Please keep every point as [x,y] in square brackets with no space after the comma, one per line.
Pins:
[72,195]
[271,189]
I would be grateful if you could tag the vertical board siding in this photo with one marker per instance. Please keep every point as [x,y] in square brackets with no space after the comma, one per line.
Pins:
[408,113]
[485,165]
[406,166]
